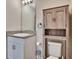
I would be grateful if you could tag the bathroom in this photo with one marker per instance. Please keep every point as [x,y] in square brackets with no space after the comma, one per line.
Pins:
[25,28]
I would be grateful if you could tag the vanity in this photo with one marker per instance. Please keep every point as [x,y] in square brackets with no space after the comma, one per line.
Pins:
[21,41]
[21,45]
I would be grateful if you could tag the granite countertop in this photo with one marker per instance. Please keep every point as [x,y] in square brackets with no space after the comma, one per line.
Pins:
[11,33]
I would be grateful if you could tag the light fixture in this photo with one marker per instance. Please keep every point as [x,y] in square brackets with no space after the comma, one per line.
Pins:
[25,2]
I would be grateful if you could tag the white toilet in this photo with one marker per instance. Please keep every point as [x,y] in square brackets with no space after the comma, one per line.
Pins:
[54,50]
[52,57]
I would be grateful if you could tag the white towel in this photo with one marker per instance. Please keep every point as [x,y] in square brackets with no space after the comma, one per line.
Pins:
[52,57]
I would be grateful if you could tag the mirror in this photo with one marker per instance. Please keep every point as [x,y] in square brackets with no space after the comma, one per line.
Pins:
[28,16]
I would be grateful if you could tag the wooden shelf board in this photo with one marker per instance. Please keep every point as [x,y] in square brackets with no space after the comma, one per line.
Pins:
[55,37]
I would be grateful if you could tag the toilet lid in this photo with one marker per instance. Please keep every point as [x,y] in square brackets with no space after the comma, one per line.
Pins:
[52,57]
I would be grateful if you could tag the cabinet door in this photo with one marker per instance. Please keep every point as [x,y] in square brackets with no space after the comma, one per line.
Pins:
[48,18]
[18,51]
[60,18]
[55,18]
[10,50]
[15,48]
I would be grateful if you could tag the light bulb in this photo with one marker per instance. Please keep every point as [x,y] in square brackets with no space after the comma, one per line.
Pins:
[29,0]
[26,1]
[23,2]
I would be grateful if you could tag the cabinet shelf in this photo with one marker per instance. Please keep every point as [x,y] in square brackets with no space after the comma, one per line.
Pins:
[52,28]
[56,32]
[54,37]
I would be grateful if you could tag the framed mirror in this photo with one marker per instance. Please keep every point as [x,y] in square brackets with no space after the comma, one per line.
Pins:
[28,14]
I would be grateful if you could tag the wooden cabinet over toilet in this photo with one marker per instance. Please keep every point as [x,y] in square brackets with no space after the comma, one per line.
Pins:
[57,29]
[55,18]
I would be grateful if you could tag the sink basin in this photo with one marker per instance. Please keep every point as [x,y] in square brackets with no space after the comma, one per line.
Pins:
[22,34]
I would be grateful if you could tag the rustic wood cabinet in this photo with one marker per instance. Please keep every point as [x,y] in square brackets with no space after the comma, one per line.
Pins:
[57,29]
[55,18]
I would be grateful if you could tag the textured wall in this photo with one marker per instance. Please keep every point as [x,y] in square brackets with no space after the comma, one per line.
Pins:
[44,4]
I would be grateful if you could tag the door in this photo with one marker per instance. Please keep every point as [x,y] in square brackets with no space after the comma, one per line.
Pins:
[60,18]
[55,18]
[10,50]
[17,51]
[48,19]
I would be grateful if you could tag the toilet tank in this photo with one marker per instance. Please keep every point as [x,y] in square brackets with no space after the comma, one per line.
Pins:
[54,49]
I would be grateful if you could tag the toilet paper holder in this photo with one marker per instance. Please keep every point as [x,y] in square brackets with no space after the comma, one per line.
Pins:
[39,25]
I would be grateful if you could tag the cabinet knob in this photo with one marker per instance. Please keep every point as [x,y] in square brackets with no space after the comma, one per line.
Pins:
[54,19]
[13,47]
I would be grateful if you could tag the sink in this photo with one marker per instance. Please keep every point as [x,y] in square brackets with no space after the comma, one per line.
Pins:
[22,34]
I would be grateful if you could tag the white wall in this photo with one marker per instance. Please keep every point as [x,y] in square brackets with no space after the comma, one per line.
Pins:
[44,4]
[13,15]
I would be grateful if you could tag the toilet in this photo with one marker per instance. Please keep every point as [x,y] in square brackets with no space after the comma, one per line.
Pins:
[54,50]
[52,57]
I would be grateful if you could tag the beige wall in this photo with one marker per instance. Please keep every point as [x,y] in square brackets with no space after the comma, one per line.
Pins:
[13,15]
[44,4]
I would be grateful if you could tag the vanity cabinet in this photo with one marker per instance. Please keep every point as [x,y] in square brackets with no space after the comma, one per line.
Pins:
[15,48]
[15,51]
[21,48]
[57,28]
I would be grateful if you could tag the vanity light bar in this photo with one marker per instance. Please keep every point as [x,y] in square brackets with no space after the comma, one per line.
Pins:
[25,2]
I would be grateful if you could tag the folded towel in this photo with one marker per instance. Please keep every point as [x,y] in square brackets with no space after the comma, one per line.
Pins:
[52,57]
